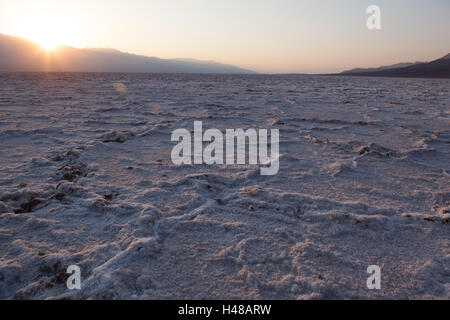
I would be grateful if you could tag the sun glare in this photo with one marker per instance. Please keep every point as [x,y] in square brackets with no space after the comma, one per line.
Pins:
[49,29]
[48,43]
[48,36]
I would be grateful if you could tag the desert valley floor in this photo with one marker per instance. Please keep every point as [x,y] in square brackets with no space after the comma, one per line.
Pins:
[86,178]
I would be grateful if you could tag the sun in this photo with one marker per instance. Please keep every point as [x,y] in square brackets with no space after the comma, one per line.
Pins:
[48,30]
[47,38]
[48,43]
[47,35]
[49,24]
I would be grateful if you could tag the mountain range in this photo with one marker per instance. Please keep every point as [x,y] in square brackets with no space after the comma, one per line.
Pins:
[19,54]
[439,68]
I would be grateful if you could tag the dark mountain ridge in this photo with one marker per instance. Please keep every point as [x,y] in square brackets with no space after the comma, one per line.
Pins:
[439,68]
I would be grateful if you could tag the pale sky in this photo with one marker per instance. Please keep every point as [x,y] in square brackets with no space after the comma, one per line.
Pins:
[273,36]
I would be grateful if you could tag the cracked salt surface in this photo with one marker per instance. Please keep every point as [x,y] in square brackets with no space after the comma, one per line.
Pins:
[86,179]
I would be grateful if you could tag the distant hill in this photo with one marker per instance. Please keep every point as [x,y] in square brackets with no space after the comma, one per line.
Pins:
[439,68]
[394,66]
[18,54]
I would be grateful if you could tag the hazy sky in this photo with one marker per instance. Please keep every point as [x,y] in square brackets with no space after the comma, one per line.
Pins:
[263,35]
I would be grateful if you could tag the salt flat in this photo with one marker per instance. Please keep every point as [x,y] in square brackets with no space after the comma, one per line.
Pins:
[86,178]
